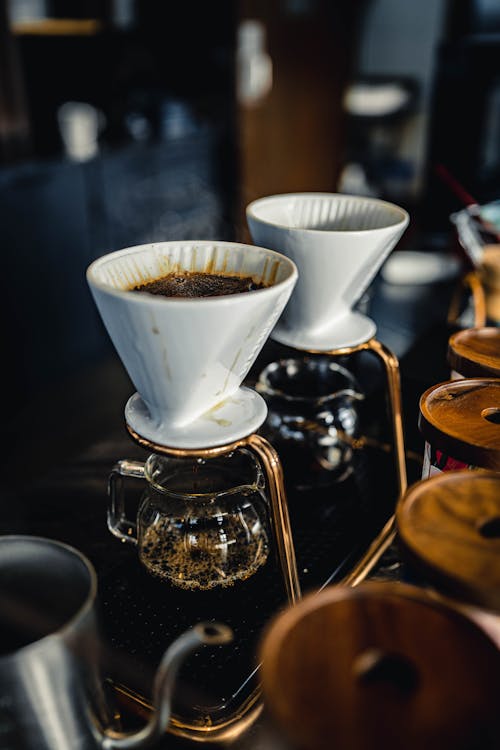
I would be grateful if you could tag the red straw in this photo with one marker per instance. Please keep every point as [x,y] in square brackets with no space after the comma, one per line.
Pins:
[454,185]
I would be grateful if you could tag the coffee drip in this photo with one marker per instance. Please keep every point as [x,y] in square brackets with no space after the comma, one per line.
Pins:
[214,489]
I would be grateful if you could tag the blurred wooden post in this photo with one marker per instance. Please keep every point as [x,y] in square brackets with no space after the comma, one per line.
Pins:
[293,139]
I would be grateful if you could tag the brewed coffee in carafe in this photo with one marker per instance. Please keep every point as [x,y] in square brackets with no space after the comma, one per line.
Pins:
[201,523]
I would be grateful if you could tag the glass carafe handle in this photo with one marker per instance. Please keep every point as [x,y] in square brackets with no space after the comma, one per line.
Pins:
[118,523]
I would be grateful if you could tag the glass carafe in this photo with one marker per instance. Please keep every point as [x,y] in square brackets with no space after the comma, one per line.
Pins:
[313,418]
[201,523]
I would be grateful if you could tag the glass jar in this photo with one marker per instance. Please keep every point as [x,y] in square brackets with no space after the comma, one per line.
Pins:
[201,523]
[459,421]
[474,353]
[449,541]
[380,665]
[313,418]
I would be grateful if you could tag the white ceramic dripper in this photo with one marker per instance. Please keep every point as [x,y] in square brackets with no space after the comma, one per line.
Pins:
[338,243]
[188,357]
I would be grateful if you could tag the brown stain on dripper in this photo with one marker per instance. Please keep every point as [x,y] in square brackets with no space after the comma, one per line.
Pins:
[231,369]
[264,271]
[165,265]
[210,415]
[274,273]
[138,272]
[194,259]
[210,262]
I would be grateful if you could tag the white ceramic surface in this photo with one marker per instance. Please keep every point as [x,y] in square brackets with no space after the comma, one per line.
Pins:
[338,243]
[186,356]
[233,419]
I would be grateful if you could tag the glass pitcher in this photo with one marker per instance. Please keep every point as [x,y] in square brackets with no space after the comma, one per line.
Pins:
[313,418]
[201,522]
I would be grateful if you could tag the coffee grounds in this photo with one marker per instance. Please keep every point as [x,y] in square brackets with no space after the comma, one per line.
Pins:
[203,563]
[194,284]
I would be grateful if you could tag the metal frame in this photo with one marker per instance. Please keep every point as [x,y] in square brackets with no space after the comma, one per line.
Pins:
[249,711]
[472,283]
[386,537]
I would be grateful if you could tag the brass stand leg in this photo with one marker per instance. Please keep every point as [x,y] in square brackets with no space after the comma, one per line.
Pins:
[472,282]
[372,555]
[394,384]
[388,533]
[281,520]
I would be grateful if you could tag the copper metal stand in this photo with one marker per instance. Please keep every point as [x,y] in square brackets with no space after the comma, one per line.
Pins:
[249,711]
[472,283]
[232,727]
[385,538]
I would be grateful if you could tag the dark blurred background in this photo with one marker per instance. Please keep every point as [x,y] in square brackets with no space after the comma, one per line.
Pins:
[129,121]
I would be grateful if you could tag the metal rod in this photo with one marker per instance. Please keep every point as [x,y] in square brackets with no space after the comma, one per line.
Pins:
[279,508]
[386,537]
[394,384]
[472,282]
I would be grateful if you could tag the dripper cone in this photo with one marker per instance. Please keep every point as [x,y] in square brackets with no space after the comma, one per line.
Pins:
[186,356]
[338,243]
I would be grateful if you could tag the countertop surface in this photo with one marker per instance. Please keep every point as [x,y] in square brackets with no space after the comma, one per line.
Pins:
[64,442]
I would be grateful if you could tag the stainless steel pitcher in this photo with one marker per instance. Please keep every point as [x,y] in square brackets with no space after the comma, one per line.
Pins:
[51,692]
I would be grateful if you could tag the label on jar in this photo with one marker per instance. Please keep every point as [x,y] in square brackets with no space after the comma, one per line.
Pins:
[435,462]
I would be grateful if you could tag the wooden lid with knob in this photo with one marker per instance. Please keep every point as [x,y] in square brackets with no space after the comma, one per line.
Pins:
[475,352]
[449,530]
[381,666]
[462,419]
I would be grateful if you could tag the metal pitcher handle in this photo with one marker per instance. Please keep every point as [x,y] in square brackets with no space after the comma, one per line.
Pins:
[209,634]
[118,523]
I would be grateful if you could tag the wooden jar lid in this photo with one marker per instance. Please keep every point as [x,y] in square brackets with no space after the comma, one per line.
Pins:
[462,419]
[475,352]
[449,530]
[381,666]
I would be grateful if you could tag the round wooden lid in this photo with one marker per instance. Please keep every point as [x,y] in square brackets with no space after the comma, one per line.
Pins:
[449,529]
[475,352]
[462,419]
[381,666]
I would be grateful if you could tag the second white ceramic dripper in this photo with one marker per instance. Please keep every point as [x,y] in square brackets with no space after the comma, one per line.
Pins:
[338,243]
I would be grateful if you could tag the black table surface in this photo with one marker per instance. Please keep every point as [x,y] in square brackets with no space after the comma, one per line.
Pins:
[62,445]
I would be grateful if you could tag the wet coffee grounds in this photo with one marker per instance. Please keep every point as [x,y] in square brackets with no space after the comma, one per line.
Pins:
[194,284]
